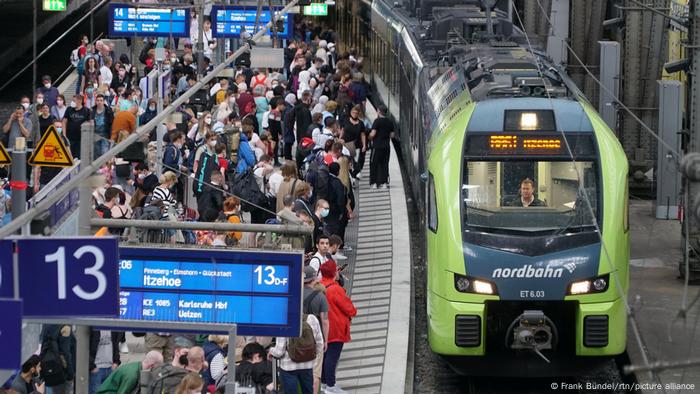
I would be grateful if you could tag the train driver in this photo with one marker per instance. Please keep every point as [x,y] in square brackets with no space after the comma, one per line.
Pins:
[527,195]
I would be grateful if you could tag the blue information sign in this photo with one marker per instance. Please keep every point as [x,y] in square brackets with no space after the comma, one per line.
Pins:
[11,334]
[69,276]
[259,291]
[126,20]
[230,20]
[6,278]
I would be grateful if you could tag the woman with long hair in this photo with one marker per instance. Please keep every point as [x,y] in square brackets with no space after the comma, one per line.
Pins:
[201,128]
[289,182]
[91,72]
[192,383]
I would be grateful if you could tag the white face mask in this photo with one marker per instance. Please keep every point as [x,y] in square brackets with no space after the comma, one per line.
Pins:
[212,143]
[25,106]
[152,107]
[47,85]
[40,101]
[73,104]
[207,120]
[173,60]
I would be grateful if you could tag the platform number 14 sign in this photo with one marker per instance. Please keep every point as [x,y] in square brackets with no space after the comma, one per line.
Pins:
[69,277]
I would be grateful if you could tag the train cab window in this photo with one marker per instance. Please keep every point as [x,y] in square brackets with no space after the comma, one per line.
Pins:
[432,205]
[529,196]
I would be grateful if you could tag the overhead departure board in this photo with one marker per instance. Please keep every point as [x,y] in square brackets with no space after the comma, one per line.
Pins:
[126,20]
[260,292]
[229,21]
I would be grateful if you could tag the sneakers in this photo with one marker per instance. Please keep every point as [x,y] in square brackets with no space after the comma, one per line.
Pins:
[323,387]
[383,186]
[358,176]
[373,186]
[123,348]
[335,390]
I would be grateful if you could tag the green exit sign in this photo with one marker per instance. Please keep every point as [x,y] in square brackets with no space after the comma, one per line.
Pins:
[316,9]
[54,5]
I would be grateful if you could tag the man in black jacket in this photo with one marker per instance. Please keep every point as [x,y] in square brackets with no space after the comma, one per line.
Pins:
[337,200]
[212,198]
[104,356]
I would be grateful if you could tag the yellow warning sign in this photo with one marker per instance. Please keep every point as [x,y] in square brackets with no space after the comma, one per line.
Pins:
[51,151]
[4,156]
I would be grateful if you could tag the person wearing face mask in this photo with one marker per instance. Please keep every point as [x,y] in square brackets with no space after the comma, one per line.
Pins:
[172,154]
[246,156]
[45,120]
[200,129]
[27,381]
[121,79]
[104,118]
[148,115]
[49,91]
[58,110]
[43,175]
[124,120]
[75,116]
[206,162]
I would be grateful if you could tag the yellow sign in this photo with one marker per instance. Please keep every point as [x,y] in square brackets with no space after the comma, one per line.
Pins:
[51,151]
[4,156]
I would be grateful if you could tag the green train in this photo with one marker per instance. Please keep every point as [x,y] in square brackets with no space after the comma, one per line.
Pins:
[524,192]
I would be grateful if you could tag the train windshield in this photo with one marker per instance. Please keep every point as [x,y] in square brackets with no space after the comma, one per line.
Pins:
[530,196]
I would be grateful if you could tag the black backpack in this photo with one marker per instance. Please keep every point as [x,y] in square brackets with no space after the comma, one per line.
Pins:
[164,379]
[317,176]
[150,212]
[53,367]
[246,188]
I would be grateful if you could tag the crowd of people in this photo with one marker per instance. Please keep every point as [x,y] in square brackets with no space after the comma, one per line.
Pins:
[263,146]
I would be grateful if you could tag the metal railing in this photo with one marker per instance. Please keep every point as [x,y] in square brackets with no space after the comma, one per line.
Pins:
[137,135]
[56,41]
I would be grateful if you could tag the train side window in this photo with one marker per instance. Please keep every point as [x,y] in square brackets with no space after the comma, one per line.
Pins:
[432,205]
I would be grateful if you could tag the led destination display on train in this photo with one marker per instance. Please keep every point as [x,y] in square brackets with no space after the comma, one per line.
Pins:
[126,20]
[260,292]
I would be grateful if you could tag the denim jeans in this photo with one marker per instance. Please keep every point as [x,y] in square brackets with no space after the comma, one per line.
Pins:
[330,362]
[101,147]
[303,378]
[96,378]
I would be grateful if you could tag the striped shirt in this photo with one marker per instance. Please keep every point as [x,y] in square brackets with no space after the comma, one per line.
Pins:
[163,194]
[280,349]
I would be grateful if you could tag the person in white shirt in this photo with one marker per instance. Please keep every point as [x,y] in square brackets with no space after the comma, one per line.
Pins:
[106,75]
[297,374]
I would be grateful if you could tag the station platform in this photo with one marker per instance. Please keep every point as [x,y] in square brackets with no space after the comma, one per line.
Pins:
[379,273]
[655,295]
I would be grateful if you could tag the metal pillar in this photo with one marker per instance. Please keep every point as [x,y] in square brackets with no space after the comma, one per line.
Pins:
[34,43]
[18,186]
[610,78]
[82,333]
[200,39]
[159,103]
[231,378]
[558,31]
[631,92]
[668,179]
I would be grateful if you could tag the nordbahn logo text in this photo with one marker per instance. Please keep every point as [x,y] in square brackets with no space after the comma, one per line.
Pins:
[530,271]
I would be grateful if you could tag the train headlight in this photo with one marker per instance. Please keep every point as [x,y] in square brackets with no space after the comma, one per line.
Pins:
[482,287]
[467,284]
[582,287]
[588,286]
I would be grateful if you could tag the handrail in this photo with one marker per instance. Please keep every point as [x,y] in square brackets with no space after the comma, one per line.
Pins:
[139,133]
[103,2]
[294,229]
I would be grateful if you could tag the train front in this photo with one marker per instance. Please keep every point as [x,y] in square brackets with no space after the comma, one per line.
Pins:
[528,245]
